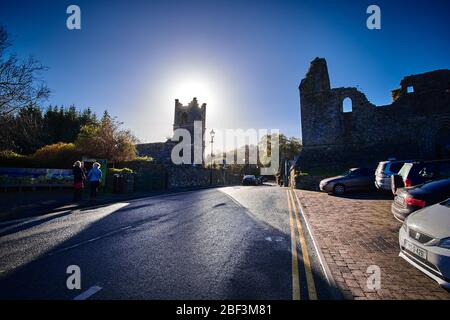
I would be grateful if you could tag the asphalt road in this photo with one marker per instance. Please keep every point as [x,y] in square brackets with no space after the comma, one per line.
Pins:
[238,242]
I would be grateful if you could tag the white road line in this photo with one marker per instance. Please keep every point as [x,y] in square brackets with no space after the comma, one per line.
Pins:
[90,240]
[233,199]
[88,293]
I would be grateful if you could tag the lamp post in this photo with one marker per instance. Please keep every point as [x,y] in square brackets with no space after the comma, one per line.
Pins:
[211,133]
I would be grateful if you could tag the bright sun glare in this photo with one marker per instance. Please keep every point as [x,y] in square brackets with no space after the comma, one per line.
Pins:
[187,88]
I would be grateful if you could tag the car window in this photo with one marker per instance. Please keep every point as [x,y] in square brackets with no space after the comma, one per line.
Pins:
[414,170]
[355,173]
[365,172]
[395,167]
[429,171]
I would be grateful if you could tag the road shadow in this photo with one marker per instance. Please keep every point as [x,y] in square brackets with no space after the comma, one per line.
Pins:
[145,264]
[248,285]
[13,228]
[44,277]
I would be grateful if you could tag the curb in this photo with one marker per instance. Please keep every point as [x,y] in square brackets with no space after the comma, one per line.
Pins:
[334,290]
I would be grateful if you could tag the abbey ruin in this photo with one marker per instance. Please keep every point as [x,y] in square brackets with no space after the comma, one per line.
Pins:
[416,125]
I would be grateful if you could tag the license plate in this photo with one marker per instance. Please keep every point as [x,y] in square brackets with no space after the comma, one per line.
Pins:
[416,250]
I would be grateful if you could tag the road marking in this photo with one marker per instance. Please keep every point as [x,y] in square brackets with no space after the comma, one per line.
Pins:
[295,274]
[88,293]
[306,261]
[233,199]
[91,240]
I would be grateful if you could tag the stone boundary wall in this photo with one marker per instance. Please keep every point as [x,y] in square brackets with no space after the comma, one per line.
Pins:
[188,176]
[151,176]
[306,182]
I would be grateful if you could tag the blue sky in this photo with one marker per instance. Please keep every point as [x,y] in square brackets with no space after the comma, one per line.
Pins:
[243,58]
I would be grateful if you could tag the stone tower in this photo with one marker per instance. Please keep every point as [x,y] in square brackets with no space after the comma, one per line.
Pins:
[184,117]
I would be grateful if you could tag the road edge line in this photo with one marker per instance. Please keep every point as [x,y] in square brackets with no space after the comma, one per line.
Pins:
[335,293]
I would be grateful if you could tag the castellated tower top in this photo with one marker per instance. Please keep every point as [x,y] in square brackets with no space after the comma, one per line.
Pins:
[186,115]
[317,78]
[193,103]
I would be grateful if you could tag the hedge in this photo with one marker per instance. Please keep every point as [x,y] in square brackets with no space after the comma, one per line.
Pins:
[57,156]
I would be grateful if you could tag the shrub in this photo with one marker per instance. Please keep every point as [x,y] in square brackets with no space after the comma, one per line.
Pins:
[143,158]
[120,171]
[58,155]
[9,158]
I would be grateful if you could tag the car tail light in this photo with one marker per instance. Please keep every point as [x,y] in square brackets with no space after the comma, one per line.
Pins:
[415,202]
[408,183]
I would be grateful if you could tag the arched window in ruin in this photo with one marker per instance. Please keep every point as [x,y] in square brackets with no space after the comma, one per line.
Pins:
[347,105]
[184,118]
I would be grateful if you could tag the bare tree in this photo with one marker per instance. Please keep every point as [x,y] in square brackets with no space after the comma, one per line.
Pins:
[20,85]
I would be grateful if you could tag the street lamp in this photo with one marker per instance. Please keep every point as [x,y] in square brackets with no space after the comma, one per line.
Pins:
[211,133]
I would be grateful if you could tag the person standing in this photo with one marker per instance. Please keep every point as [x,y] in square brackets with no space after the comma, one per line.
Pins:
[78,181]
[95,177]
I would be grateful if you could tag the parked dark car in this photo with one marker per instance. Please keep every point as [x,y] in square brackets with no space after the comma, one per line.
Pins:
[262,179]
[408,200]
[249,180]
[353,179]
[385,170]
[419,172]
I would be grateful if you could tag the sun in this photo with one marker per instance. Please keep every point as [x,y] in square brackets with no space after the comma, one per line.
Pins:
[186,88]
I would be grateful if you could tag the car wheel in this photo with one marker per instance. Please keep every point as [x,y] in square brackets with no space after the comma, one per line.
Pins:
[339,189]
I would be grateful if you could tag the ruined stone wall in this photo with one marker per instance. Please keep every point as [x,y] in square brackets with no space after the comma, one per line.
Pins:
[416,125]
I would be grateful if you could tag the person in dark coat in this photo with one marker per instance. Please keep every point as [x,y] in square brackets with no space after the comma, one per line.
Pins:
[78,180]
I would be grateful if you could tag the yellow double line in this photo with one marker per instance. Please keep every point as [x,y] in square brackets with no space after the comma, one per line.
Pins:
[294,221]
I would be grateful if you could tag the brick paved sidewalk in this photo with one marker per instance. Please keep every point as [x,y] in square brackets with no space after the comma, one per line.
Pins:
[357,231]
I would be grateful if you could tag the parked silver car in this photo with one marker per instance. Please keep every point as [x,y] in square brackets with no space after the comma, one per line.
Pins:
[425,241]
[384,172]
[351,180]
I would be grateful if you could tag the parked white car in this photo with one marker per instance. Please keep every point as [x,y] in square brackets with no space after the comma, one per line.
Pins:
[425,241]
[384,172]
